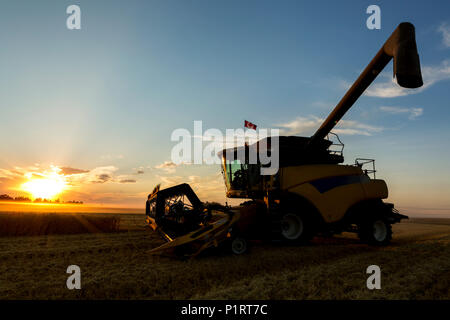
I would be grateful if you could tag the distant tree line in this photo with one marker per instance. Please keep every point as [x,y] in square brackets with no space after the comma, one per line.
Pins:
[5,197]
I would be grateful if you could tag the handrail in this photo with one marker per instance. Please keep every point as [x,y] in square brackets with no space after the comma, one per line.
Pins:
[340,144]
[360,162]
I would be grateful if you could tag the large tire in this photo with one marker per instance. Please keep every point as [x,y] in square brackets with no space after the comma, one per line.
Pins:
[375,231]
[296,228]
[238,245]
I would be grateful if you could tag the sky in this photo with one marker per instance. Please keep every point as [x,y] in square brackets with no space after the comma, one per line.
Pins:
[98,105]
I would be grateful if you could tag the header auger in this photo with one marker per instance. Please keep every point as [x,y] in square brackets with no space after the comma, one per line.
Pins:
[312,192]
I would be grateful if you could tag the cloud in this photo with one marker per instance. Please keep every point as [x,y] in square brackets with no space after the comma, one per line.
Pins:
[444,28]
[390,89]
[10,174]
[194,179]
[69,171]
[101,178]
[106,174]
[170,181]
[127,181]
[308,125]
[411,112]
[97,175]
[300,125]
[124,178]
[350,127]
[139,170]
[11,179]
[167,166]
[101,174]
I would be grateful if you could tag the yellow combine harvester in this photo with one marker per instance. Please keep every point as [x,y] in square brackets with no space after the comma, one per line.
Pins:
[312,192]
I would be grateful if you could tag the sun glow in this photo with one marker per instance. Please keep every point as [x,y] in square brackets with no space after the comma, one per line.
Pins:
[45,185]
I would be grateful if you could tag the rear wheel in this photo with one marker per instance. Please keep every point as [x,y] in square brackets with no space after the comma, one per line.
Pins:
[295,228]
[376,231]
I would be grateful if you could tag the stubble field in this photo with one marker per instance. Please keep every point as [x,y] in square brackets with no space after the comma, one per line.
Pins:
[118,266]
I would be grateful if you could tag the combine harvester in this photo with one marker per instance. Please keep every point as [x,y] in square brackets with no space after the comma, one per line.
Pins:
[312,192]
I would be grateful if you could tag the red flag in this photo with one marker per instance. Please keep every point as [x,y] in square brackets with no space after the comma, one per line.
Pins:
[249,125]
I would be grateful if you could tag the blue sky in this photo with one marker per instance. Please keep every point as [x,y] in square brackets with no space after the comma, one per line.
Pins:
[106,98]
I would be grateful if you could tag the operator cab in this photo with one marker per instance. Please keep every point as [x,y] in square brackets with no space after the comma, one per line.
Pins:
[244,180]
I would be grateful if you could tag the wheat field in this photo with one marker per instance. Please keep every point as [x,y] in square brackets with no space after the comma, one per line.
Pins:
[118,266]
[32,224]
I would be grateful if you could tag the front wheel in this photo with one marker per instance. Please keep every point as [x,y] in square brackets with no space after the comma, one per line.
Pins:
[295,228]
[238,245]
[375,231]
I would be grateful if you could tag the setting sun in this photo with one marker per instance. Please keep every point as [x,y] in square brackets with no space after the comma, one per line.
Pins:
[45,186]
